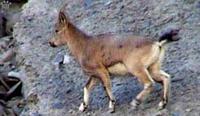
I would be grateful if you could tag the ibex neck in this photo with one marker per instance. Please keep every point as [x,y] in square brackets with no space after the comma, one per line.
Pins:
[76,40]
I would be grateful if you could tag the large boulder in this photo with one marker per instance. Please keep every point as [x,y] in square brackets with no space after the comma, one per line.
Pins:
[59,92]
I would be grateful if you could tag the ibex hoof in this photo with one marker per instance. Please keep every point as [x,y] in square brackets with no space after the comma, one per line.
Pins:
[82,107]
[162,105]
[112,106]
[134,104]
[111,110]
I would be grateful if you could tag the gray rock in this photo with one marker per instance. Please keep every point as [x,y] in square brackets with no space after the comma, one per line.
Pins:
[14,74]
[36,27]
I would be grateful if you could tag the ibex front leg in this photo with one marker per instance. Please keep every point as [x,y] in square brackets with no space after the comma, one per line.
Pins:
[105,79]
[88,87]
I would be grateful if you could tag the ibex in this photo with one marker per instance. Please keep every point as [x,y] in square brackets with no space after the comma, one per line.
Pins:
[100,56]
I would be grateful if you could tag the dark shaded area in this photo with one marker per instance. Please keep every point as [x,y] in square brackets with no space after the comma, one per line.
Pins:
[18,1]
[11,98]
[3,22]
[10,87]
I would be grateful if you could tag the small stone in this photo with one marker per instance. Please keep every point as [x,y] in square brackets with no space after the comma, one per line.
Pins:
[14,74]
[88,114]
[158,113]
[30,18]
[68,90]
[57,105]
[71,111]
[182,93]
[108,3]
[32,98]
[66,59]
[50,80]
[188,110]
[58,59]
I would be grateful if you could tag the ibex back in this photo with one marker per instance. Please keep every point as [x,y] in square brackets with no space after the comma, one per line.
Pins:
[102,55]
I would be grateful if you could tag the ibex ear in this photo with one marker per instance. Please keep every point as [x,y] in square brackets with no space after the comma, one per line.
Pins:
[62,18]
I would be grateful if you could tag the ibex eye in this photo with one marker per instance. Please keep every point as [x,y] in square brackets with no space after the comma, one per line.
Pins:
[56,31]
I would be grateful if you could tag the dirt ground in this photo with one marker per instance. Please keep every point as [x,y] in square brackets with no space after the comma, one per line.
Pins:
[57,92]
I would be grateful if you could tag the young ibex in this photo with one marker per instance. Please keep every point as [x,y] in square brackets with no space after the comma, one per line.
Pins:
[102,55]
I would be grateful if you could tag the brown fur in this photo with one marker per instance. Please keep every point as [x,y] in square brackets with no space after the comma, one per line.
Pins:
[104,54]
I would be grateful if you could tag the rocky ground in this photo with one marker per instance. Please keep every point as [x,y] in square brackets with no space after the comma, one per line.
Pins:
[56,92]
[10,85]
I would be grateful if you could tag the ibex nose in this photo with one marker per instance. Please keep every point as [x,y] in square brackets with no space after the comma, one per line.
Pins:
[52,44]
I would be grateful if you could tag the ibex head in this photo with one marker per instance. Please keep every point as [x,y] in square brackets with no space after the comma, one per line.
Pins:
[60,37]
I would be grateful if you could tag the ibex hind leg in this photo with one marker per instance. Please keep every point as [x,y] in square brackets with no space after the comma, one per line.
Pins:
[144,77]
[163,78]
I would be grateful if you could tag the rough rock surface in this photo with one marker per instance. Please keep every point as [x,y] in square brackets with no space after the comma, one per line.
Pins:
[59,92]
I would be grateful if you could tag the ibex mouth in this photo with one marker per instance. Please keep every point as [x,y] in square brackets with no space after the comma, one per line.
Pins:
[52,44]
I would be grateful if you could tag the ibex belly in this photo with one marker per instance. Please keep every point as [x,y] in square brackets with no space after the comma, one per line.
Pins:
[118,69]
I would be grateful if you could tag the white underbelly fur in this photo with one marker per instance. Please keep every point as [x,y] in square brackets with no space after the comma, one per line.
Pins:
[118,69]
